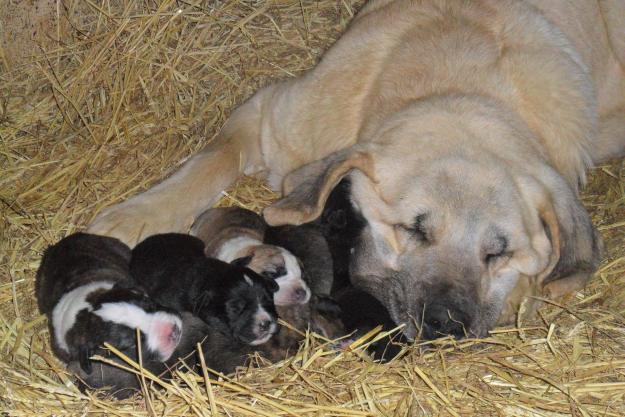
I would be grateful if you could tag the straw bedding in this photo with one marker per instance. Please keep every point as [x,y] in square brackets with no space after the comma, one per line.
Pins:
[129,90]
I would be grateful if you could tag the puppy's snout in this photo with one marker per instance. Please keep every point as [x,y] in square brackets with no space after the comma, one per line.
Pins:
[264,325]
[442,320]
[301,294]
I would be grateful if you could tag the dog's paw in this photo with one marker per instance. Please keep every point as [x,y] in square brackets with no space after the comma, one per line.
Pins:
[133,221]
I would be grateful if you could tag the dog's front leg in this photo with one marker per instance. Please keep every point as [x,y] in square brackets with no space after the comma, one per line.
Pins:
[172,205]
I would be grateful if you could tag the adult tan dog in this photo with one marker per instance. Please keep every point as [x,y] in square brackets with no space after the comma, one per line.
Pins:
[465,127]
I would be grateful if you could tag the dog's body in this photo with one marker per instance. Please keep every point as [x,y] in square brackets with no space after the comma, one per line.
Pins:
[84,287]
[237,234]
[174,271]
[465,128]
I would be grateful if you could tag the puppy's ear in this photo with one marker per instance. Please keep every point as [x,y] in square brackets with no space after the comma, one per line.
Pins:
[243,261]
[307,188]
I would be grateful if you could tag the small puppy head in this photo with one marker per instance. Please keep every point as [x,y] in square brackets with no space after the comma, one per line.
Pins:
[278,264]
[114,316]
[244,302]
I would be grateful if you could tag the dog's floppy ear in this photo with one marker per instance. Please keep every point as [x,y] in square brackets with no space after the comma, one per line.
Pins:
[307,188]
[581,248]
[576,246]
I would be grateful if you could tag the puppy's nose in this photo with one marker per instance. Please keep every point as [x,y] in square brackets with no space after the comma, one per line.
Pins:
[300,294]
[264,325]
[440,320]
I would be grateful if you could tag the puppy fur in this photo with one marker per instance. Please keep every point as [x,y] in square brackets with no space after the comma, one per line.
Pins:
[325,247]
[122,384]
[235,300]
[222,353]
[234,233]
[84,287]
[307,243]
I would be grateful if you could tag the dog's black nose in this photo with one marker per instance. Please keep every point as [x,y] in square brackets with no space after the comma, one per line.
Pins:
[264,325]
[441,320]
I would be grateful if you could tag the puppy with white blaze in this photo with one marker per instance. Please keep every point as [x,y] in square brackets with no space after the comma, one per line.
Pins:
[84,287]
[236,234]
[230,298]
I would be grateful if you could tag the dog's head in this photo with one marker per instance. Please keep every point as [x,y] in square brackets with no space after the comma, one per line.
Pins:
[457,218]
[283,267]
[113,315]
[244,302]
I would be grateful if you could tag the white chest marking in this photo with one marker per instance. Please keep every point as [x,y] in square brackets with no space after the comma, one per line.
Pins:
[230,250]
[65,311]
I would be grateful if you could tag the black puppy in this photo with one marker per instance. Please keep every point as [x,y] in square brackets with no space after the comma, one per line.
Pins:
[230,298]
[84,287]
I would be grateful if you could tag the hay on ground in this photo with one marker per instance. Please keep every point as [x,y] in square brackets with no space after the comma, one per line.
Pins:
[129,90]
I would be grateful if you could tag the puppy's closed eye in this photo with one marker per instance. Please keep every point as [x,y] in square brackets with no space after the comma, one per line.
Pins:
[244,261]
[274,273]
[236,307]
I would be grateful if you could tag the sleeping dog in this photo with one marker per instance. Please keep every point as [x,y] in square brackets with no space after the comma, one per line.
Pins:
[236,233]
[84,288]
[232,299]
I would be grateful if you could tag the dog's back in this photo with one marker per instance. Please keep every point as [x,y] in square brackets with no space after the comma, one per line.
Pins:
[77,260]
[217,225]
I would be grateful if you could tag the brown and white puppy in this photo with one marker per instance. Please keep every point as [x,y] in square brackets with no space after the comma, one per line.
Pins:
[308,244]
[466,129]
[236,234]
[83,286]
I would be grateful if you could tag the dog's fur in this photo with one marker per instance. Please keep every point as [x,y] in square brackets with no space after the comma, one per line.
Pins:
[310,247]
[120,383]
[324,247]
[466,129]
[222,353]
[236,234]
[84,287]
[173,269]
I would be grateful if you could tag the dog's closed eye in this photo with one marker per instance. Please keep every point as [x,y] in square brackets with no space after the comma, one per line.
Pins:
[418,230]
[496,250]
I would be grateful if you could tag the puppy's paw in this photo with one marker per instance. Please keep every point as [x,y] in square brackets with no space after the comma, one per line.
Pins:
[136,219]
